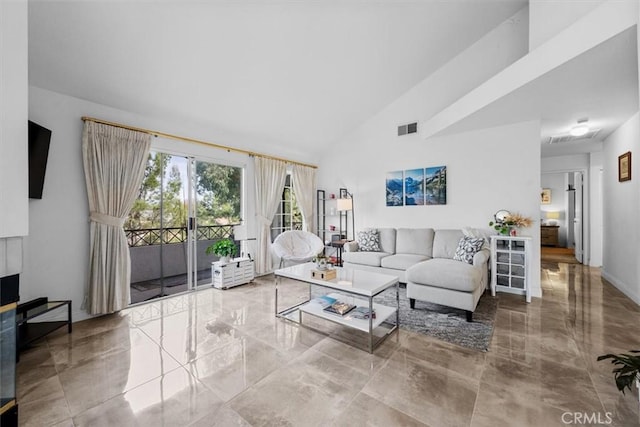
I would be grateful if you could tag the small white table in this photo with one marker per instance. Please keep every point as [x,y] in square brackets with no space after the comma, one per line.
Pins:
[362,285]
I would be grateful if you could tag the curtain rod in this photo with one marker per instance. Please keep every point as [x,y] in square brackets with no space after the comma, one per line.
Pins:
[196,141]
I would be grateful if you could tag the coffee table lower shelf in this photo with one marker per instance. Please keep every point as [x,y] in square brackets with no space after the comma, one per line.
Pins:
[353,286]
[382,312]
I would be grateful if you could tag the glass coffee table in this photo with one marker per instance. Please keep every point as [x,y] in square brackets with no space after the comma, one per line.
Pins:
[354,287]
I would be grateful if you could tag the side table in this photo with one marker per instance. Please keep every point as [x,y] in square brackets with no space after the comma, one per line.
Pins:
[339,245]
[28,332]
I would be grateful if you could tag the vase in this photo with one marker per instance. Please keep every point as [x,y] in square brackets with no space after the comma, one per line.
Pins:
[225,259]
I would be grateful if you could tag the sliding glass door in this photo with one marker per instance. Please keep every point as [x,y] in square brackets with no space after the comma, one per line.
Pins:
[184,206]
[156,229]
[218,208]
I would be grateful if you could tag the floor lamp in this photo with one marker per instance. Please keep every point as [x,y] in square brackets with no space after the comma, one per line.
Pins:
[345,204]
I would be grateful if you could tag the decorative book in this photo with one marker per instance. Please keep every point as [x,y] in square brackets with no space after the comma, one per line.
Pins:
[362,313]
[340,308]
[325,301]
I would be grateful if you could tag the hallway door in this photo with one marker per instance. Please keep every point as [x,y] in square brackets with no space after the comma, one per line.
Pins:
[578,222]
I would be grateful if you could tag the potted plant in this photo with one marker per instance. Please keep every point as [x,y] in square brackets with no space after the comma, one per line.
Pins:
[628,371]
[321,261]
[224,248]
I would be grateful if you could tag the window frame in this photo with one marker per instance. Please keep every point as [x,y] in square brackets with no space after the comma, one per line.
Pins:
[284,218]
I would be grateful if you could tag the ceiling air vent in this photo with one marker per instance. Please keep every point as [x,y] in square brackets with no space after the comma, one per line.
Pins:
[407,129]
[559,139]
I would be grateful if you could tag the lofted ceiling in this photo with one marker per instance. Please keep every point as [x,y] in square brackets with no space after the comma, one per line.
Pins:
[601,84]
[293,74]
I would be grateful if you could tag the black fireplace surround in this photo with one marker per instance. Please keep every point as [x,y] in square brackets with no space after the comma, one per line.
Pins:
[9,296]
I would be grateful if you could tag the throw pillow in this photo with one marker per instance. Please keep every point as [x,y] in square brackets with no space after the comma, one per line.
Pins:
[369,240]
[467,248]
[474,232]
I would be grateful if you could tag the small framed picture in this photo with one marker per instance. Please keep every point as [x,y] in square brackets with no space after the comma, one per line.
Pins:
[545,196]
[624,167]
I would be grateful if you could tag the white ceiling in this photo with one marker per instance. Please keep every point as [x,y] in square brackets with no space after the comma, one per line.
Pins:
[296,74]
[601,85]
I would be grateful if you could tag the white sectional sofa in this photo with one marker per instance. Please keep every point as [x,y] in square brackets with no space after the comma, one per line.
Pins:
[423,259]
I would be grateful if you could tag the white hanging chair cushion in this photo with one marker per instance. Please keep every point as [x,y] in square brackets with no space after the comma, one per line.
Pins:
[297,245]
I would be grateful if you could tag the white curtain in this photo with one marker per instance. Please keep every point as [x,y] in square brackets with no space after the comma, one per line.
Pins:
[270,176]
[304,182]
[114,164]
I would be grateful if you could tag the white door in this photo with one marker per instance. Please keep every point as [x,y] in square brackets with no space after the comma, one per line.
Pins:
[577,217]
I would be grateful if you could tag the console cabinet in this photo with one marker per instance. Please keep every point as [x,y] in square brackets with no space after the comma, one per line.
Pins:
[236,272]
[549,235]
[510,264]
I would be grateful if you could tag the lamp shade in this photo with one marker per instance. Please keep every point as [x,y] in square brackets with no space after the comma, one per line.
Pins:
[345,205]
[553,215]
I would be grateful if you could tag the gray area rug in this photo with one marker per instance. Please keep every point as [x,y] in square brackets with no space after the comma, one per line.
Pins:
[445,323]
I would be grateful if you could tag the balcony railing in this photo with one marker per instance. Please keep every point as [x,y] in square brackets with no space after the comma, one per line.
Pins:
[157,236]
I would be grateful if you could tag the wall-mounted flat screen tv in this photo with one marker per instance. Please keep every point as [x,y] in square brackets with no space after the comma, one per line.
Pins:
[39,138]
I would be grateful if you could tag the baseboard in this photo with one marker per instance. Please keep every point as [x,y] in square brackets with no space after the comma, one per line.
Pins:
[621,286]
[536,292]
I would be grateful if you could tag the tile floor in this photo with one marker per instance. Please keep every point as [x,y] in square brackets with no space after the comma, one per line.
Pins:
[220,358]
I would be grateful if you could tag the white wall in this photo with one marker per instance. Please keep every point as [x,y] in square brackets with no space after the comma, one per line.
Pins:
[14,181]
[56,251]
[595,208]
[565,163]
[487,170]
[548,18]
[621,206]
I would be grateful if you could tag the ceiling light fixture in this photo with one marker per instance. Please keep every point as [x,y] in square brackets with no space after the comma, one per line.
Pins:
[582,128]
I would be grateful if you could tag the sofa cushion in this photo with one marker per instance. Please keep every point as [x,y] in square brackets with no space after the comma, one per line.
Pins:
[417,241]
[445,273]
[445,243]
[369,240]
[387,240]
[402,261]
[467,248]
[365,258]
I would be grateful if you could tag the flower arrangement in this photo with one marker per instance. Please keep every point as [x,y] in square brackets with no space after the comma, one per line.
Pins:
[517,220]
[321,261]
[319,257]
[510,221]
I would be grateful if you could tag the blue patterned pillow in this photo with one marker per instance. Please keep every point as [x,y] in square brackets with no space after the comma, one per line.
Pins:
[467,248]
[369,240]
